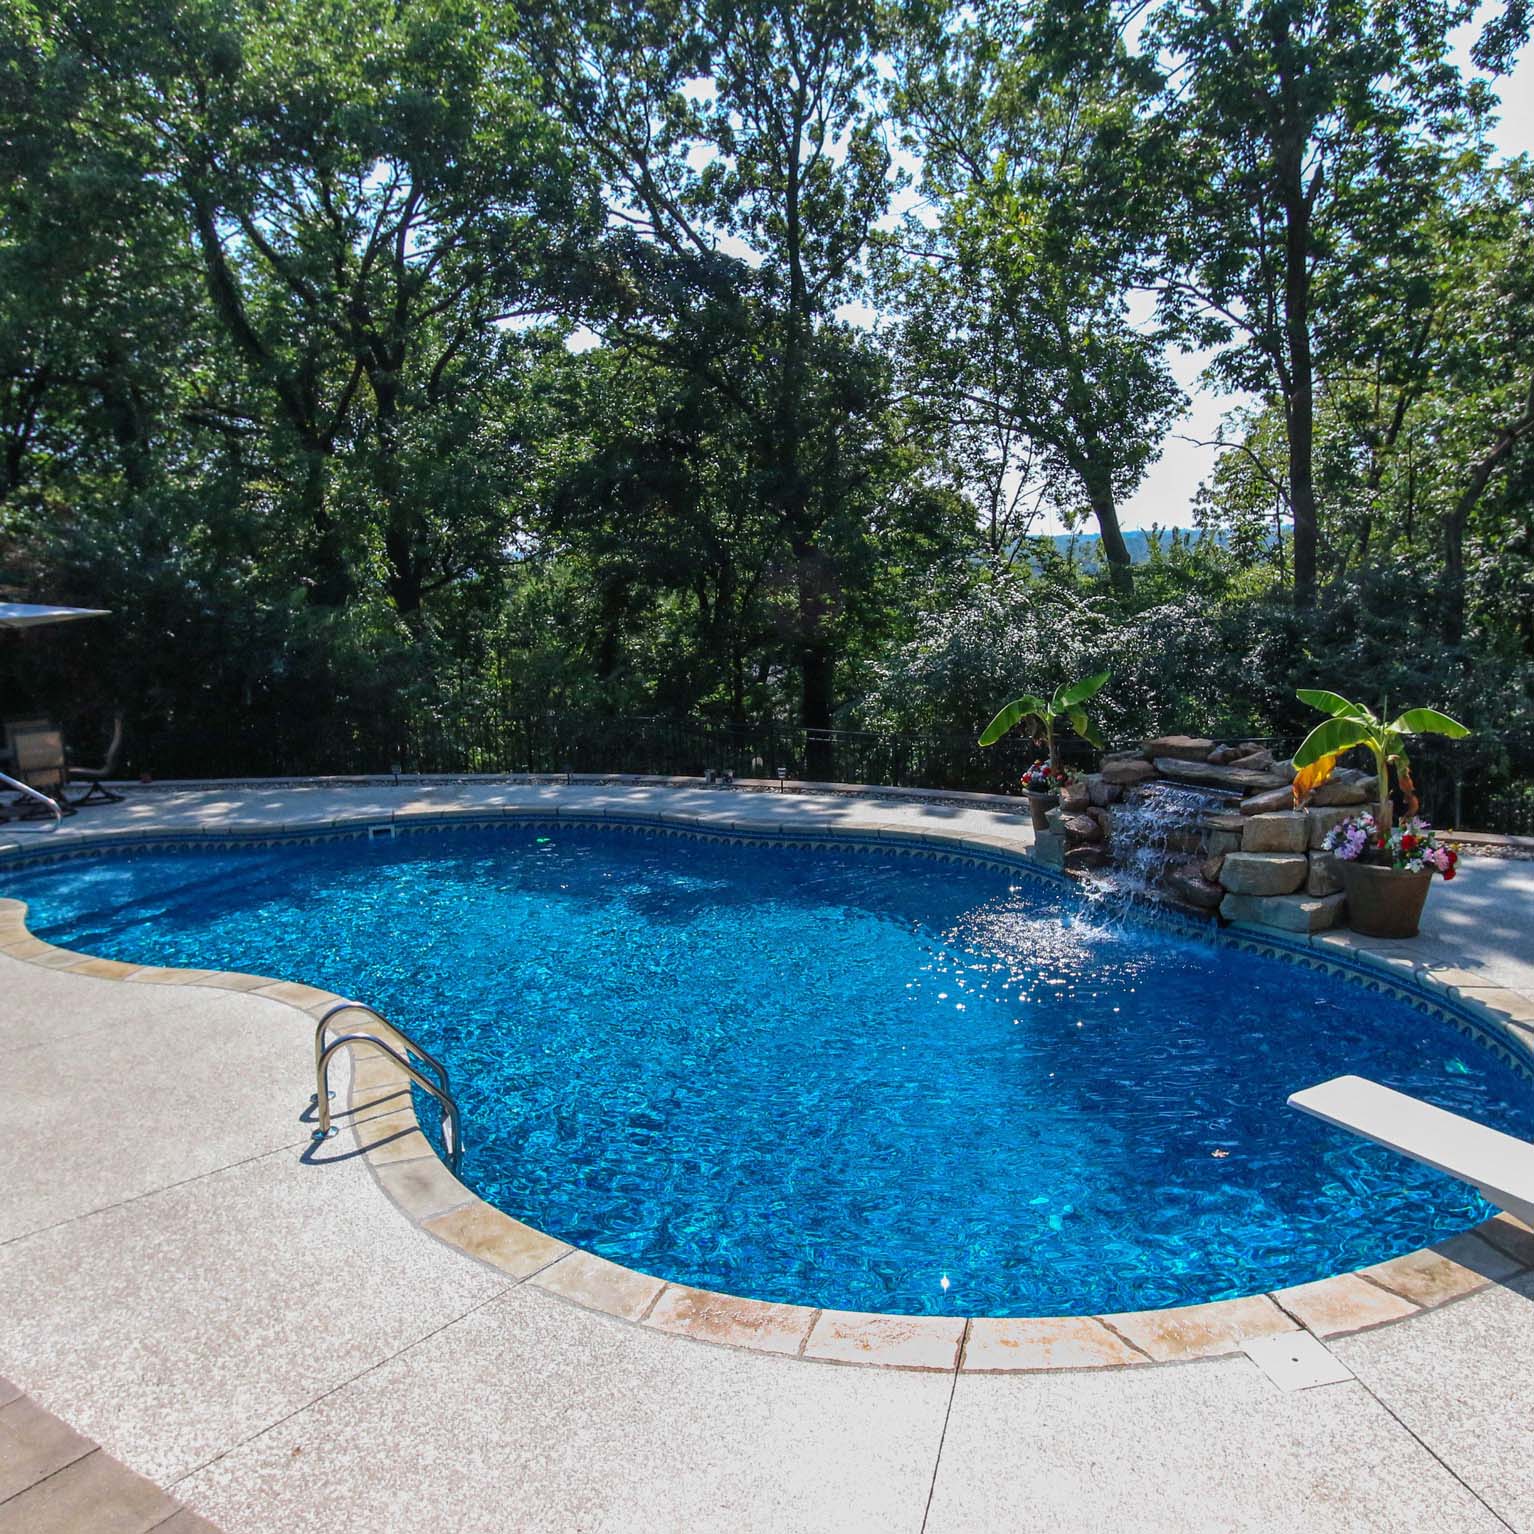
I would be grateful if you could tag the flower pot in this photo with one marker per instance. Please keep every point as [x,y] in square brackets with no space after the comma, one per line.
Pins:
[1383,902]
[1039,806]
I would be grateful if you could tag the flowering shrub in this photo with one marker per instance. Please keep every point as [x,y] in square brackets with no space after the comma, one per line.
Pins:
[1041,778]
[1409,848]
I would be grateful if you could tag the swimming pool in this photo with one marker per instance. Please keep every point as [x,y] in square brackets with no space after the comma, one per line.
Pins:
[861,1080]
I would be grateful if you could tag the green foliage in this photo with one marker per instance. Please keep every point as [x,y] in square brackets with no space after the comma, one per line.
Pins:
[1065,703]
[1353,724]
[365,358]
[1018,331]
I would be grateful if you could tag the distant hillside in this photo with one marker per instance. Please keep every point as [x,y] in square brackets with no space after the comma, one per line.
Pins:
[1089,545]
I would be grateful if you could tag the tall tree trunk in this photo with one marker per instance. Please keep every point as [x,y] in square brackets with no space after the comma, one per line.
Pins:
[1295,365]
[817,667]
[402,530]
[817,662]
[1115,550]
[330,583]
[1299,403]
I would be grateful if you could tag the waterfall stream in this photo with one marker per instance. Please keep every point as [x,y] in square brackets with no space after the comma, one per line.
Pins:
[1155,826]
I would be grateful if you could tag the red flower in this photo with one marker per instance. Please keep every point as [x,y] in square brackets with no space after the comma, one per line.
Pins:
[1408,842]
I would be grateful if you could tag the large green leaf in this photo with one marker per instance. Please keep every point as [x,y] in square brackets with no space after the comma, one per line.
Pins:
[1428,721]
[1018,709]
[1079,692]
[1335,735]
[1084,727]
[1334,703]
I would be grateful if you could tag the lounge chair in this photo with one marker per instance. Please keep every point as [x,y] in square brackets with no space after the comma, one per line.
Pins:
[1500,1166]
[38,761]
[98,792]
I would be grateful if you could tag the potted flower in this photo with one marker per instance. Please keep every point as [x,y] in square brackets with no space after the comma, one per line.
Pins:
[1386,875]
[1042,783]
[1046,713]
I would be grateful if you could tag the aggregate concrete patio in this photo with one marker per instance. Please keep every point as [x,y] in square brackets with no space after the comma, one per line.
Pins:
[279,1348]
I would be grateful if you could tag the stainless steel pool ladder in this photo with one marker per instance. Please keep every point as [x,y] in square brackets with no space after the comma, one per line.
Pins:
[51,805]
[439,1090]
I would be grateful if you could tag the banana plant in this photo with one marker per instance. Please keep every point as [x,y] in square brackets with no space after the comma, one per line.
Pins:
[1065,705]
[1351,724]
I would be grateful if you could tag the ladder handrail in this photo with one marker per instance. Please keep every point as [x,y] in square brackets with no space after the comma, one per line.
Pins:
[452,1133]
[362,1006]
[32,793]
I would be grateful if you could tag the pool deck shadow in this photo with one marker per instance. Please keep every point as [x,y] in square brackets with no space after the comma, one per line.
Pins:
[246,1330]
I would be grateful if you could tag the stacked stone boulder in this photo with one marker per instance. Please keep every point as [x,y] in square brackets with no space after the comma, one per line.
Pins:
[1264,865]
[1078,831]
[1282,876]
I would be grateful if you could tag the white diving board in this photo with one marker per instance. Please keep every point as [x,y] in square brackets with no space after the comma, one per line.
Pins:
[1499,1165]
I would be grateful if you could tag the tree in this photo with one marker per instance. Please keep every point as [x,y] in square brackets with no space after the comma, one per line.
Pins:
[1018,302]
[1303,132]
[744,210]
[1489,356]
[373,203]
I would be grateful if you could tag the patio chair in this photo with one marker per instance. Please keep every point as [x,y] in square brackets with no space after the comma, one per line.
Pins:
[38,761]
[15,727]
[98,792]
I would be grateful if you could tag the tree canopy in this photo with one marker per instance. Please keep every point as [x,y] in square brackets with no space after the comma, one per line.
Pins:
[392,370]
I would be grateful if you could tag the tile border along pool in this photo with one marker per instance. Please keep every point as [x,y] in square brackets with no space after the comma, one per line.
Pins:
[404,1166]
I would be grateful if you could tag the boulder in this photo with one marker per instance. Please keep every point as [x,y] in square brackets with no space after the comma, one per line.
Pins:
[1321,821]
[1054,818]
[1082,828]
[1287,913]
[1281,831]
[1210,867]
[1136,755]
[1188,883]
[1182,748]
[1126,771]
[1077,858]
[1325,875]
[1073,797]
[1218,843]
[1284,769]
[1101,792]
[1258,761]
[1049,848]
[1223,756]
[1339,791]
[1272,802]
[1104,820]
[1264,873]
[1223,821]
[1240,780]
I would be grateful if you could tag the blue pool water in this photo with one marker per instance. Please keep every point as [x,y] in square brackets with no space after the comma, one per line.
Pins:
[860,1080]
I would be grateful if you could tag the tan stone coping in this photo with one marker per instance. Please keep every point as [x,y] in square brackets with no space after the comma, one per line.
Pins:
[381,1113]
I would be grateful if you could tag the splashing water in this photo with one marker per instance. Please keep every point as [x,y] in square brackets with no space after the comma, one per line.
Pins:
[1155,826]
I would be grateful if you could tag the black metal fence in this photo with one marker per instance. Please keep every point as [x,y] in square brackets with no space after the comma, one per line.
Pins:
[1483,783]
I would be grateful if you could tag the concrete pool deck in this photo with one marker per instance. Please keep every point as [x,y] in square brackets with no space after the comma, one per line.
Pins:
[278,1347]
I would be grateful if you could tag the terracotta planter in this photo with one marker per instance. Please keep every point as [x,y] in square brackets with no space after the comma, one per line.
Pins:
[1382,902]
[1039,806]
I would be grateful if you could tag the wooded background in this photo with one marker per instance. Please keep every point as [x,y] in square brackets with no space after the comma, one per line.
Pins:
[485,386]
